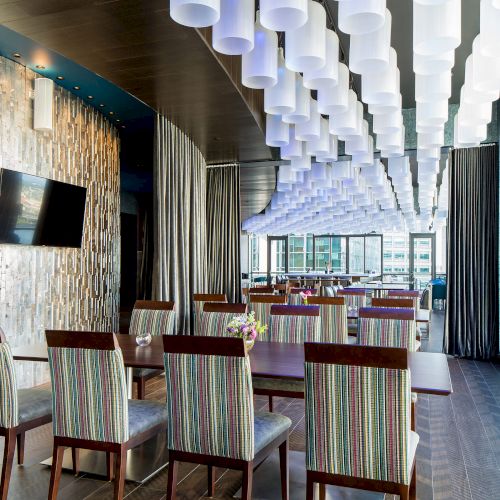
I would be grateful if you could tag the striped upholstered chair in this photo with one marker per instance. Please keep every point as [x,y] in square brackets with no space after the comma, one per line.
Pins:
[295,299]
[217,315]
[90,404]
[20,410]
[375,383]
[406,294]
[261,306]
[353,298]
[199,300]
[211,414]
[158,318]
[392,302]
[333,313]
[293,324]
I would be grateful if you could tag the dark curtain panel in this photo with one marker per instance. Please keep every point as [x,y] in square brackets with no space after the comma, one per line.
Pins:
[145,278]
[223,231]
[472,301]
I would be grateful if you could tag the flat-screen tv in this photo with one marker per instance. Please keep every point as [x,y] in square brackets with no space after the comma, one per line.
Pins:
[38,211]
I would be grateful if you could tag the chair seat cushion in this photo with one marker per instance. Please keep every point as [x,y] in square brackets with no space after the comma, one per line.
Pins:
[267,427]
[278,384]
[146,372]
[34,403]
[142,415]
[412,448]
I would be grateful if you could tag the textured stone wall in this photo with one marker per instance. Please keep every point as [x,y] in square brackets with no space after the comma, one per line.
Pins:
[60,288]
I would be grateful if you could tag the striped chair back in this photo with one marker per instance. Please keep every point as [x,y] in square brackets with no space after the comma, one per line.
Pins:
[295,299]
[363,394]
[261,306]
[89,390]
[209,396]
[333,313]
[199,300]
[294,324]
[406,294]
[385,327]
[353,298]
[9,416]
[153,316]
[217,315]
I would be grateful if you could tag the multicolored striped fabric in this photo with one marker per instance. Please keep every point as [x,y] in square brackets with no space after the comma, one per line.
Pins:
[9,416]
[384,332]
[351,300]
[262,311]
[210,405]
[333,323]
[198,304]
[214,324]
[89,394]
[294,329]
[154,321]
[358,421]
[295,299]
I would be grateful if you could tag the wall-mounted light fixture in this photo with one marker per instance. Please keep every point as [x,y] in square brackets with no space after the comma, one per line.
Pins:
[44,93]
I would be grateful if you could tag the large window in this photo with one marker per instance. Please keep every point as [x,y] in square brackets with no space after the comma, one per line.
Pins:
[300,254]
[357,254]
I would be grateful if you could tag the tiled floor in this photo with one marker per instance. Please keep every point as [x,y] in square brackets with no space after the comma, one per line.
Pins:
[458,456]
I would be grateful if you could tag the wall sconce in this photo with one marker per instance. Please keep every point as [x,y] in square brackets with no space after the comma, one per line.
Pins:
[44,103]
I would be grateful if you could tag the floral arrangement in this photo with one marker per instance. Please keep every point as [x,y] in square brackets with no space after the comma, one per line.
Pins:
[305,295]
[245,326]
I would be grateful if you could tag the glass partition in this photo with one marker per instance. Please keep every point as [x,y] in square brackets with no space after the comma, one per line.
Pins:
[356,254]
[373,254]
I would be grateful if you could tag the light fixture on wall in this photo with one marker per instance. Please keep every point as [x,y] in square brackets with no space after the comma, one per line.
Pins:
[195,13]
[42,114]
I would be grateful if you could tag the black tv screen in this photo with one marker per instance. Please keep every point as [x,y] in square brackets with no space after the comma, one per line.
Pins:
[38,211]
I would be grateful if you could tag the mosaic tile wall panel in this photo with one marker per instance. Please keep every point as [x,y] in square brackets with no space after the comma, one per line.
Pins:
[60,288]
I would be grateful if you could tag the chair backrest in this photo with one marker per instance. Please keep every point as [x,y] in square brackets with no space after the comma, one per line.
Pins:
[353,298]
[333,312]
[395,302]
[9,415]
[217,315]
[364,395]
[89,390]
[406,294]
[153,316]
[209,396]
[386,327]
[295,299]
[280,287]
[294,324]
[199,300]
[261,306]
[261,290]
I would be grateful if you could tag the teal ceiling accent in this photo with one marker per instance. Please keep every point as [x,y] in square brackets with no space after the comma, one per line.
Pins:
[117,104]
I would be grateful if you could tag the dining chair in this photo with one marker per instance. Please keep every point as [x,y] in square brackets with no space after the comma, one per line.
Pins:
[333,313]
[353,298]
[372,446]
[157,318]
[261,290]
[261,305]
[199,300]
[217,315]
[90,405]
[392,302]
[20,411]
[293,324]
[280,288]
[295,299]
[211,413]
[406,294]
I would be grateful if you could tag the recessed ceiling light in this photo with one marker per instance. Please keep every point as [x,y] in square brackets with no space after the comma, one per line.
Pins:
[90,97]
[117,120]
[76,87]
[40,66]
[60,77]
[102,105]
[111,112]
[16,54]
[123,126]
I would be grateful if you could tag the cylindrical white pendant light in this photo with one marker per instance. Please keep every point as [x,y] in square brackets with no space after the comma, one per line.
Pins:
[328,75]
[233,34]
[424,154]
[485,70]
[471,135]
[294,148]
[496,4]
[43,105]
[302,104]
[347,123]
[335,100]
[391,105]
[276,131]
[306,46]
[322,145]
[430,88]
[387,123]
[475,114]
[437,63]
[358,144]
[432,113]
[436,28]
[311,129]
[280,99]
[431,139]
[195,13]
[490,33]
[370,52]
[301,164]
[389,141]
[469,93]
[283,15]
[379,88]
[332,154]
[361,16]
[259,67]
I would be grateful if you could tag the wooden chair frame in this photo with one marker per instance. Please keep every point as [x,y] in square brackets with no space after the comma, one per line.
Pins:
[224,307]
[222,347]
[392,302]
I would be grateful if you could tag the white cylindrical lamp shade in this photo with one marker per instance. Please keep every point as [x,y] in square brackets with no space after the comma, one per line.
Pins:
[302,104]
[361,16]
[306,46]
[431,139]
[322,145]
[432,113]
[469,93]
[431,65]
[490,33]
[436,28]
[370,52]
[392,104]
[294,148]
[332,154]
[301,164]
[346,123]
[328,75]
[388,122]
[311,129]
[283,15]
[335,100]
[43,105]
[486,69]
[379,88]
[277,134]
[233,34]
[259,67]
[195,13]
[475,114]
[424,154]
[280,99]
[429,88]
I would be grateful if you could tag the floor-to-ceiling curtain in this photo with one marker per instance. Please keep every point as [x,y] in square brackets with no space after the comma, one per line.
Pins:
[223,235]
[472,301]
[180,226]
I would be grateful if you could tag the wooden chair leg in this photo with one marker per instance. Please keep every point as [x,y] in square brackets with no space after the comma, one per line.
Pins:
[284,469]
[413,417]
[75,457]
[309,488]
[141,388]
[8,458]
[20,448]
[322,491]
[109,466]
[211,481]
[413,483]
[172,479]
[271,404]
[55,474]
[246,491]
[404,493]
[121,467]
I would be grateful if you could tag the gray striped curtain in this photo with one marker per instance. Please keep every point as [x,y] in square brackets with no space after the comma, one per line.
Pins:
[223,236]
[180,262]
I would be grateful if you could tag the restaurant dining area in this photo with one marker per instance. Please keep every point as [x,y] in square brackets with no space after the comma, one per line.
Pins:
[249,249]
